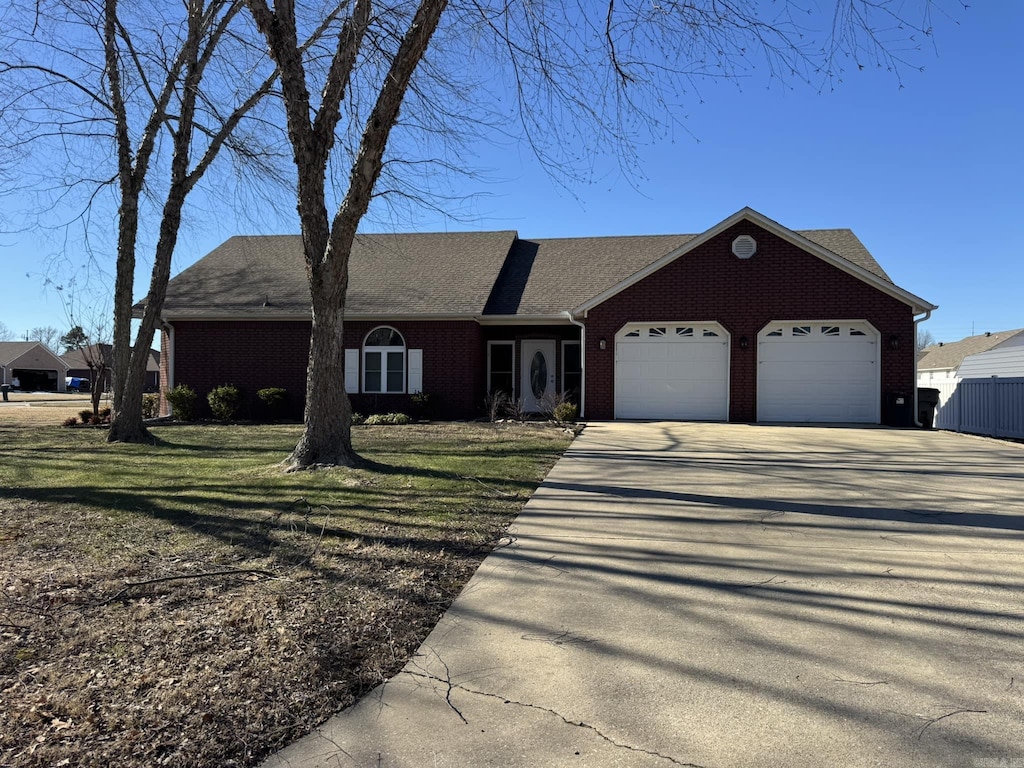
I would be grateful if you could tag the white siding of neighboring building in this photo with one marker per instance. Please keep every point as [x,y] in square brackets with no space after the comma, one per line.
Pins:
[1006,361]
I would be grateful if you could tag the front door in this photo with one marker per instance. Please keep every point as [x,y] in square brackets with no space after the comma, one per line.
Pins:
[538,374]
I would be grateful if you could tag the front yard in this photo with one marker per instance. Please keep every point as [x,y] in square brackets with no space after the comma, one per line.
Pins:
[187,604]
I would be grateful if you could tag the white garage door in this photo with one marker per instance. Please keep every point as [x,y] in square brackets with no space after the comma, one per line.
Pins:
[818,371]
[672,371]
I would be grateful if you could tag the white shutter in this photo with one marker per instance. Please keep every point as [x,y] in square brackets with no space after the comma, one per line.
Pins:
[352,371]
[415,371]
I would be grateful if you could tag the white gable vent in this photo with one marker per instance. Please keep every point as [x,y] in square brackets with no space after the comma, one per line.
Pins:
[744,246]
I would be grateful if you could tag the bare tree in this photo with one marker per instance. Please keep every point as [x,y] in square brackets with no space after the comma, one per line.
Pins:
[924,338]
[592,75]
[47,335]
[144,92]
[6,334]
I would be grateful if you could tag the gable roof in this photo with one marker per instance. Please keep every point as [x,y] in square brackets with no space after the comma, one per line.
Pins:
[949,356]
[854,260]
[13,351]
[483,275]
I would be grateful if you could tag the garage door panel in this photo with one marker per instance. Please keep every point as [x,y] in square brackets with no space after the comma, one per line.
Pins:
[671,376]
[806,374]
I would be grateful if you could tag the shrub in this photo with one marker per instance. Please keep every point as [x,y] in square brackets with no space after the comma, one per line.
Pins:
[422,404]
[388,418]
[70,421]
[496,404]
[150,406]
[223,401]
[183,400]
[515,409]
[566,412]
[358,418]
[272,397]
[85,415]
[104,414]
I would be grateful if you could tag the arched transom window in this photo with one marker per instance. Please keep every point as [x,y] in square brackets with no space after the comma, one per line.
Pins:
[384,361]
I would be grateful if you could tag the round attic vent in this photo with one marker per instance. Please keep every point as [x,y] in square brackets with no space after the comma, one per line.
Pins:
[744,246]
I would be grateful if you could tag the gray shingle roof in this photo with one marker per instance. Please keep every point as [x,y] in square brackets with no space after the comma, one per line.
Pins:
[949,356]
[79,358]
[463,274]
[435,274]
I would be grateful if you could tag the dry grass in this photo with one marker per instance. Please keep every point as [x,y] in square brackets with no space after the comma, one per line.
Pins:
[301,592]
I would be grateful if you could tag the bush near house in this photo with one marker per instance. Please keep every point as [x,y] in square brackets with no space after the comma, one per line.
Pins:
[224,401]
[183,401]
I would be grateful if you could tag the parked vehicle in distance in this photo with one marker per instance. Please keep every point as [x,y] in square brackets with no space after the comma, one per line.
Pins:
[76,384]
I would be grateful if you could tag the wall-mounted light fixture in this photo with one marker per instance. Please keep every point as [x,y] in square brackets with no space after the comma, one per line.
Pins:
[744,343]
[894,341]
[602,344]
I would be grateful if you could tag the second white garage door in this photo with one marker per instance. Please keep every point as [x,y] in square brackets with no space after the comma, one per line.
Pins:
[672,371]
[818,371]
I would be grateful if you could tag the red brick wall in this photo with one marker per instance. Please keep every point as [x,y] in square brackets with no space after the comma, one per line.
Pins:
[257,354]
[780,282]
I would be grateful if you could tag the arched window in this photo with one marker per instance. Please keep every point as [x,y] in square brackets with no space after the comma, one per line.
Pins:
[384,361]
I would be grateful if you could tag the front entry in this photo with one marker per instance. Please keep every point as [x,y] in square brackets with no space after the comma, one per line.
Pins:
[538,373]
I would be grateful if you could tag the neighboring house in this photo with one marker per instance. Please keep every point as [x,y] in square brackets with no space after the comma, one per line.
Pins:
[78,360]
[748,321]
[938,364]
[35,367]
[980,381]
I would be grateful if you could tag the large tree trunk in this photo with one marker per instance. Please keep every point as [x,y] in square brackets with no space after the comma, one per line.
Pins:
[327,438]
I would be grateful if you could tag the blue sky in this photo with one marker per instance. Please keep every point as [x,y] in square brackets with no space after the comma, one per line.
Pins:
[929,176]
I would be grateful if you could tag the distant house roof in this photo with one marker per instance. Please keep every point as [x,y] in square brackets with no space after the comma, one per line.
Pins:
[949,356]
[29,354]
[467,274]
[78,359]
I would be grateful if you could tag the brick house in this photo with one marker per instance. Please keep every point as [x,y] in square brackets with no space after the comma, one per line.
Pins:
[748,321]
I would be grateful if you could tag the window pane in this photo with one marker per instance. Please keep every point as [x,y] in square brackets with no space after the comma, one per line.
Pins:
[371,366]
[501,357]
[384,337]
[501,382]
[396,372]
[572,359]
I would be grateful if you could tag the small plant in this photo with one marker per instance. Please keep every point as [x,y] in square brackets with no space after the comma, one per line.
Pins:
[224,401]
[150,406]
[496,405]
[358,418]
[104,414]
[566,412]
[183,401]
[273,398]
[95,420]
[388,418]
[85,415]
[423,405]
[70,421]
[515,409]
[550,402]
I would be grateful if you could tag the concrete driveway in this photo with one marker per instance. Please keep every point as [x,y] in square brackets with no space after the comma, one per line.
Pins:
[728,595]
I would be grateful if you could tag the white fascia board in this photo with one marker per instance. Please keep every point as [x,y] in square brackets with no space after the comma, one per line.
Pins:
[559,319]
[749,214]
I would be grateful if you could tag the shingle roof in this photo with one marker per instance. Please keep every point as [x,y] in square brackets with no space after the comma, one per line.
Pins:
[76,358]
[949,356]
[462,274]
[545,277]
[12,350]
[431,274]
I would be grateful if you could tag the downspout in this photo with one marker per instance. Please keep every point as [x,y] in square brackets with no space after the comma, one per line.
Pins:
[917,410]
[583,360]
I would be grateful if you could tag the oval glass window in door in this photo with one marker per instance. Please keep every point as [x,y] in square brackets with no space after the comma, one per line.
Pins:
[538,374]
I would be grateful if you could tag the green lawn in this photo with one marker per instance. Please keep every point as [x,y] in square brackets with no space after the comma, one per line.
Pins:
[206,608]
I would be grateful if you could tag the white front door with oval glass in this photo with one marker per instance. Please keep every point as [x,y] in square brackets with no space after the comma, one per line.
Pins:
[538,373]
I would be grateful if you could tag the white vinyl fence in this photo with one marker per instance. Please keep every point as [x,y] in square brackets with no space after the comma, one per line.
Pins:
[992,406]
